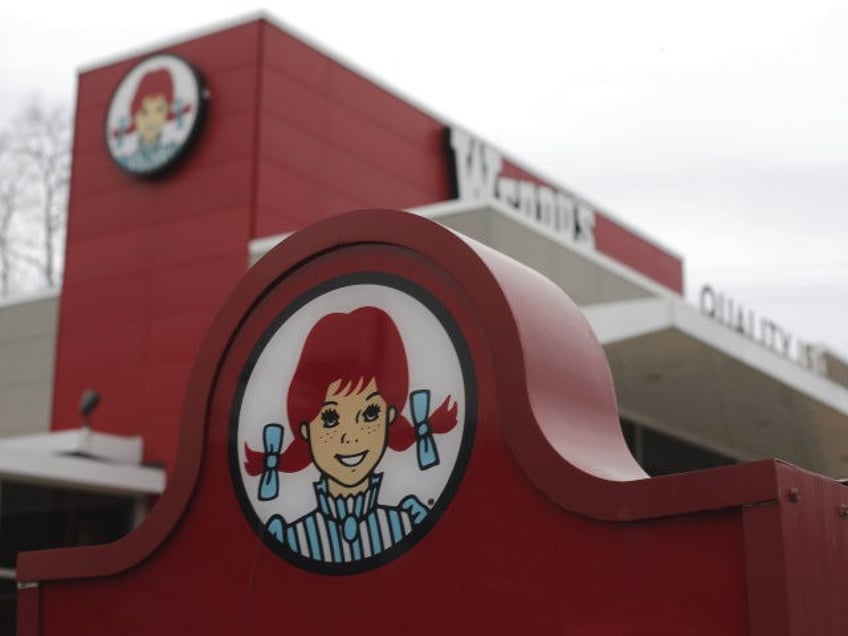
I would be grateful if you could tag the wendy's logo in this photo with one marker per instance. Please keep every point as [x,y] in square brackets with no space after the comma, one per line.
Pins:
[352,423]
[155,114]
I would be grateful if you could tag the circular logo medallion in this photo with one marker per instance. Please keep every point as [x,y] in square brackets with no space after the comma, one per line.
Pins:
[155,114]
[352,423]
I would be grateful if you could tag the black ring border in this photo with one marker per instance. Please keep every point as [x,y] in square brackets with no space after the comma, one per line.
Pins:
[188,144]
[469,378]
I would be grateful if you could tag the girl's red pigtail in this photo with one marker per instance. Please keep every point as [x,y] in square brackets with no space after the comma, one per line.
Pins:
[443,419]
[401,434]
[255,462]
[296,457]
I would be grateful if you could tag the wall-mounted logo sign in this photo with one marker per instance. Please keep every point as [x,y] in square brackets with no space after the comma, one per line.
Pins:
[761,330]
[479,174]
[155,114]
[352,423]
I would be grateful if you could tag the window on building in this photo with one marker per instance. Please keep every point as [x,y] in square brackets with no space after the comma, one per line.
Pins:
[661,454]
[36,517]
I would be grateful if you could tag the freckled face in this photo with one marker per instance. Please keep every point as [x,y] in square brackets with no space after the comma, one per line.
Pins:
[150,117]
[348,436]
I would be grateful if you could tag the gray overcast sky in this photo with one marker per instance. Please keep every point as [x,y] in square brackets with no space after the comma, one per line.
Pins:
[717,128]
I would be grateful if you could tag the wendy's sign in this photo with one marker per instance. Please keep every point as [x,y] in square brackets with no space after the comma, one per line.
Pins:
[155,114]
[481,172]
[392,429]
[352,422]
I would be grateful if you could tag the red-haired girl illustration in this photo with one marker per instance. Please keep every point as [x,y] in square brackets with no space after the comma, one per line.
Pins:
[152,105]
[344,408]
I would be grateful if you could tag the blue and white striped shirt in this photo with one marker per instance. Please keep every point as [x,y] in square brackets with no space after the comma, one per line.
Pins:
[149,156]
[347,529]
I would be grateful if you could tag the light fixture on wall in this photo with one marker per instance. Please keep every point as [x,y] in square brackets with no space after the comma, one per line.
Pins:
[88,402]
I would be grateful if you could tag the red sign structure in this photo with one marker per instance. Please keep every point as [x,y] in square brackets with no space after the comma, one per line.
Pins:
[154,115]
[519,506]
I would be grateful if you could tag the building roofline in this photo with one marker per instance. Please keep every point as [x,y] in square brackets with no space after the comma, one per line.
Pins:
[268,18]
[44,294]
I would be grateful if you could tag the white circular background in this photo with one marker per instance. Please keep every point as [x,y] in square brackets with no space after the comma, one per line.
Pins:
[186,89]
[433,364]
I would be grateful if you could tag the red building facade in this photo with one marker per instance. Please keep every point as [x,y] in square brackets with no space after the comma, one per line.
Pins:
[292,136]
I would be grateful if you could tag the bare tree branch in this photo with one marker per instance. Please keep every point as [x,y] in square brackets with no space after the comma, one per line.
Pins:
[34,176]
[9,198]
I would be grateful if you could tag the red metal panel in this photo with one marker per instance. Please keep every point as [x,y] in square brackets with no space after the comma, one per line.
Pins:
[27,605]
[289,100]
[352,175]
[368,99]
[796,551]
[290,147]
[815,531]
[129,255]
[350,143]
[411,161]
[282,52]
[231,138]
[103,303]
[621,244]
[224,50]
[106,348]
[287,199]
[336,201]
[178,242]
[162,429]
[93,170]
[189,288]
[141,253]
[94,91]
[766,571]
[234,92]
[164,387]
[174,338]
[588,586]
[210,188]
[119,411]
[107,212]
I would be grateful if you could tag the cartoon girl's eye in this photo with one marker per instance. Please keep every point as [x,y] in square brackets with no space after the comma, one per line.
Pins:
[371,413]
[330,417]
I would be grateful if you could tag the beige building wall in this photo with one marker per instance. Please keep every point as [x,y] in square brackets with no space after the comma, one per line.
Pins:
[836,368]
[27,355]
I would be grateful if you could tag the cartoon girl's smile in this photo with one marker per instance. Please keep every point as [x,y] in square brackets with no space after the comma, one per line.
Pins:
[352,460]
[348,436]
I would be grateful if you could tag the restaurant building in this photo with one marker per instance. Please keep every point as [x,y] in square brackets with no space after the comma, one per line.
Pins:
[264,133]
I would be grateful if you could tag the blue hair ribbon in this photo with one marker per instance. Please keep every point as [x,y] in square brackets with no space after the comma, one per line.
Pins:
[177,111]
[123,127]
[428,455]
[269,484]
